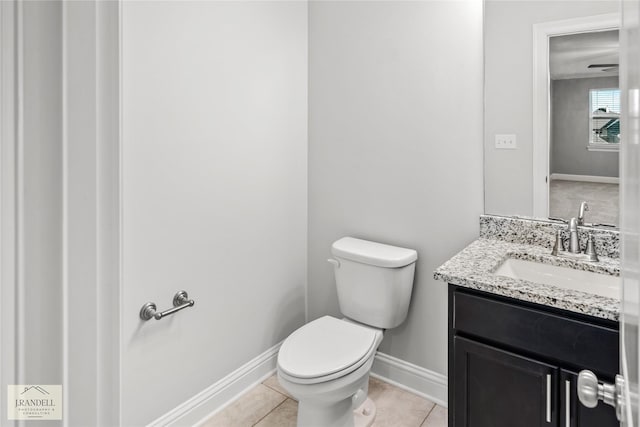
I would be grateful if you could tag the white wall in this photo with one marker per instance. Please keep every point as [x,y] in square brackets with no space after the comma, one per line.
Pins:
[508,93]
[214,191]
[395,147]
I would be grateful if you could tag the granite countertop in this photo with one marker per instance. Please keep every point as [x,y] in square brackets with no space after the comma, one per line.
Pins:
[474,265]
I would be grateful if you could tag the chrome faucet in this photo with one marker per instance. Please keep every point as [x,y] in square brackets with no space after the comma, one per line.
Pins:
[574,242]
[574,250]
[583,208]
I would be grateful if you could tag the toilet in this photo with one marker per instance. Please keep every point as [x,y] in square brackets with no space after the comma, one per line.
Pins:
[325,364]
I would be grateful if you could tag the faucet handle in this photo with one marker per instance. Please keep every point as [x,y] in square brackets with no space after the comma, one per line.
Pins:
[590,250]
[558,246]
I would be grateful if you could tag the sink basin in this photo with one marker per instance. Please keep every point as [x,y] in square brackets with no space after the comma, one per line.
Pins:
[562,277]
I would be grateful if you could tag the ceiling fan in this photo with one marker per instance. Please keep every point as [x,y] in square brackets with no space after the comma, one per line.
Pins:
[605,67]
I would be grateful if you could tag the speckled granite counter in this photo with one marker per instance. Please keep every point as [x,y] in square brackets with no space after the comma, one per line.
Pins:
[473,268]
[542,233]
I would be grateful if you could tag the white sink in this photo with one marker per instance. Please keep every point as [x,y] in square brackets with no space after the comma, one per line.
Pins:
[562,277]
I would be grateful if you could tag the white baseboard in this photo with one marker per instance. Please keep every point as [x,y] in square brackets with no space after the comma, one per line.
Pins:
[416,379]
[215,397]
[585,178]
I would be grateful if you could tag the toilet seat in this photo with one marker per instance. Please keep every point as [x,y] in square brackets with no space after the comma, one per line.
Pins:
[325,349]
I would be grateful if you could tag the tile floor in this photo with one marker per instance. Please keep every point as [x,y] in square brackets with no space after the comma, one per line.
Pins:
[269,405]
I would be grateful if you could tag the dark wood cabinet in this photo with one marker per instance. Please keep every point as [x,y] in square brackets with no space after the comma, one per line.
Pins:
[499,388]
[513,363]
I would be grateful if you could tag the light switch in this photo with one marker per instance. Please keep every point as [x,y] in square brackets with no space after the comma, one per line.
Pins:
[506,142]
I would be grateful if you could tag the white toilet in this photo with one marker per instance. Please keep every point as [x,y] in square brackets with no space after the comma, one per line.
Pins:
[325,364]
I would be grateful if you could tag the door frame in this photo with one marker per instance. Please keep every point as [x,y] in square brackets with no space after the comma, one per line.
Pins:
[92,286]
[91,212]
[541,98]
[11,328]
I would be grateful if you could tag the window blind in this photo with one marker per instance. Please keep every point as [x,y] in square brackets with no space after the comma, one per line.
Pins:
[605,98]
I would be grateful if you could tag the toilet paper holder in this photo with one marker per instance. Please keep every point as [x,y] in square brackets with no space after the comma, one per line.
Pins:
[180,301]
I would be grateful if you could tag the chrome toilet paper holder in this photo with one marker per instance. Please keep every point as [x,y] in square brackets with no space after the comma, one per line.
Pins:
[180,301]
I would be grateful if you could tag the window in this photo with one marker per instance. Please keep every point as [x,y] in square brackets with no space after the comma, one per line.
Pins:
[604,119]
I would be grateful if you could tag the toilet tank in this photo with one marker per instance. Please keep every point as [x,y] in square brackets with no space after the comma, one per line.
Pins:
[374,281]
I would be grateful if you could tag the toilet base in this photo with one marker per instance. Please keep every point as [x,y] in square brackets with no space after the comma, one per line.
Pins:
[365,414]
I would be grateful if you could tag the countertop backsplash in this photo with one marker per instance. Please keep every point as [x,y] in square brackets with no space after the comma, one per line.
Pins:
[532,231]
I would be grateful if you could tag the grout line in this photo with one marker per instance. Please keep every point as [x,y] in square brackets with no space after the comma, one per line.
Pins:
[276,390]
[427,417]
[274,408]
[237,400]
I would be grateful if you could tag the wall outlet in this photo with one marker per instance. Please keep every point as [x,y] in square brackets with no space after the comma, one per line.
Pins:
[506,142]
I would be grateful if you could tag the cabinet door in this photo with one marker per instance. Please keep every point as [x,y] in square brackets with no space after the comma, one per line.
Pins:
[496,388]
[574,414]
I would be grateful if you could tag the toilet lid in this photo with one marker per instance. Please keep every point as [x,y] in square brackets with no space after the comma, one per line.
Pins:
[325,346]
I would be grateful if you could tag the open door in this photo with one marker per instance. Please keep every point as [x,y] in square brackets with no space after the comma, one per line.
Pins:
[630,209]
[623,395]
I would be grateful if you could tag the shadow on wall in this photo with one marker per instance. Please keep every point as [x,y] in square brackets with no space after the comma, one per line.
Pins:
[289,320]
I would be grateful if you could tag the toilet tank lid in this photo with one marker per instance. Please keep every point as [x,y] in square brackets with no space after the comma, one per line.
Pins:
[373,253]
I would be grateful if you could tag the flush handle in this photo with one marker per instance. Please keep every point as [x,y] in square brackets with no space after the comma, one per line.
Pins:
[335,262]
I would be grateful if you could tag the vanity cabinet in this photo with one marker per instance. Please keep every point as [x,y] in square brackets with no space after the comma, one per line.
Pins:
[513,363]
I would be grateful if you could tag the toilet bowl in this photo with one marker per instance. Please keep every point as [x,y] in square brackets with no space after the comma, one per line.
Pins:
[325,364]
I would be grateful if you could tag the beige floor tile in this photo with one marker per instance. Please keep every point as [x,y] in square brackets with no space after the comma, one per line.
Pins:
[396,407]
[266,406]
[283,416]
[249,409]
[437,418]
[272,382]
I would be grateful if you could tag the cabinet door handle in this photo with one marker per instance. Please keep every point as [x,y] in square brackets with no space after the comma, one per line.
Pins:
[567,407]
[548,398]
